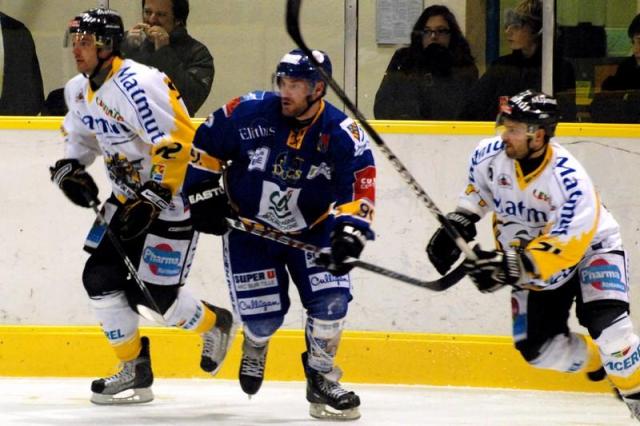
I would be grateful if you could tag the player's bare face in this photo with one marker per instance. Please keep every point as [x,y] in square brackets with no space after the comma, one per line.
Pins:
[85,52]
[516,140]
[294,93]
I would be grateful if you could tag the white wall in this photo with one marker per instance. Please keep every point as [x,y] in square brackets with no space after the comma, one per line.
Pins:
[41,236]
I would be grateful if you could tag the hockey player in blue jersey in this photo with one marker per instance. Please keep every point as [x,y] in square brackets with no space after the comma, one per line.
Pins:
[556,243]
[296,164]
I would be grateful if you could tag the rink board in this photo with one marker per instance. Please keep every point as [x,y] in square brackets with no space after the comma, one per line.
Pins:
[365,357]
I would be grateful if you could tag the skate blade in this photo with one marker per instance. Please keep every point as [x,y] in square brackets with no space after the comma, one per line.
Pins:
[325,412]
[129,396]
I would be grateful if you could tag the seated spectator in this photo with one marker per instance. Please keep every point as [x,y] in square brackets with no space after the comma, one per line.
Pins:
[521,69]
[619,101]
[428,79]
[21,81]
[162,41]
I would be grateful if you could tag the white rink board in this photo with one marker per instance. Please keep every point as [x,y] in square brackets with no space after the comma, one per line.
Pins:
[42,235]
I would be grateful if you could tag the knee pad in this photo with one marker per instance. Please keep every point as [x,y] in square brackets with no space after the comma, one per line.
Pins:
[322,338]
[620,351]
[189,313]
[329,306]
[119,323]
[260,331]
[565,353]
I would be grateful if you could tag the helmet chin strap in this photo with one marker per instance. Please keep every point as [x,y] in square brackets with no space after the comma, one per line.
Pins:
[310,103]
[96,71]
[530,152]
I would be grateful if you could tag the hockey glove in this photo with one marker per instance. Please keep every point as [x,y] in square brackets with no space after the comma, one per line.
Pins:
[494,269]
[346,241]
[209,207]
[138,215]
[75,182]
[442,250]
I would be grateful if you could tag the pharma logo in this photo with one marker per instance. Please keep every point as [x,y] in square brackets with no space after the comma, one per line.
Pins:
[603,276]
[162,260]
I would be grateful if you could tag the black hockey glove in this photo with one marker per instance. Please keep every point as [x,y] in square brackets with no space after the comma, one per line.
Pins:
[75,182]
[346,241]
[494,269]
[442,250]
[209,207]
[138,215]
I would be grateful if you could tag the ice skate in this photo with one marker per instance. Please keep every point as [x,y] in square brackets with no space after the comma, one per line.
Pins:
[131,385]
[252,366]
[328,399]
[216,342]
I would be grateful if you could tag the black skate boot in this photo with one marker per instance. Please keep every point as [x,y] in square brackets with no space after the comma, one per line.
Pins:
[216,342]
[131,385]
[327,398]
[252,366]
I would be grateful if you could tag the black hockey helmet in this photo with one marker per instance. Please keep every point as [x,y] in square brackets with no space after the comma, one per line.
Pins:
[105,24]
[533,108]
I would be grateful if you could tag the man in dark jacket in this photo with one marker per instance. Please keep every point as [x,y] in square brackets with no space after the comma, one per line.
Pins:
[162,41]
[21,83]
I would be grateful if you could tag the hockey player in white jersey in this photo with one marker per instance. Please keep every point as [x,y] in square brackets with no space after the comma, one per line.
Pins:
[134,118]
[556,242]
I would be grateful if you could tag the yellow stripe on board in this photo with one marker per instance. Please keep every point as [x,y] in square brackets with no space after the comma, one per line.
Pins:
[389,126]
[365,357]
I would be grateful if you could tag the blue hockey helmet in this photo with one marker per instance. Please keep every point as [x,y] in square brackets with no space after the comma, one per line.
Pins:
[296,64]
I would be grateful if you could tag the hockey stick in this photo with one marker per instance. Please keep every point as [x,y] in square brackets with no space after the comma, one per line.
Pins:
[440,284]
[154,312]
[293,28]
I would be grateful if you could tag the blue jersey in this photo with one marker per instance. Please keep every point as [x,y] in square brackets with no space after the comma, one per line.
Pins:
[283,176]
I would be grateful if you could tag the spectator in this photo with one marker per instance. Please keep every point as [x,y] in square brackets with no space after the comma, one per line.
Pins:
[521,69]
[162,41]
[428,79]
[619,101]
[21,81]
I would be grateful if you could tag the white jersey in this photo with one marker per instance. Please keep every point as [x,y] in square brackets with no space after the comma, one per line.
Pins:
[138,123]
[555,206]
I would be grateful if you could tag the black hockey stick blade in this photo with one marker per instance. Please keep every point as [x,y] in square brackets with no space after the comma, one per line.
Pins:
[293,28]
[440,284]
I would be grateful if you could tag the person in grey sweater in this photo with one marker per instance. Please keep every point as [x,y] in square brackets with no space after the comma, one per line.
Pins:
[161,40]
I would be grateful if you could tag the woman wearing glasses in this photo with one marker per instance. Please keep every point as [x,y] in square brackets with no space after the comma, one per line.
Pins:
[428,79]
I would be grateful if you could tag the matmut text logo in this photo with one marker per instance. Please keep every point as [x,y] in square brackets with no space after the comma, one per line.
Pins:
[520,210]
[139,97]
[162,260]
[602,275]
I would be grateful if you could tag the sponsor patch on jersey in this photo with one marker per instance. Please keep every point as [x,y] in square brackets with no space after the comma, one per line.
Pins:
[230,106]
[157,172]
[287,168]
[279,208]
[325,280]
[365,183]
[358,136]
[504,181]
[603,276]
[323,143]
[321,169]
[162,260]
[258,158]
[259,305]
[256,131]
[255,280]
[109,112]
